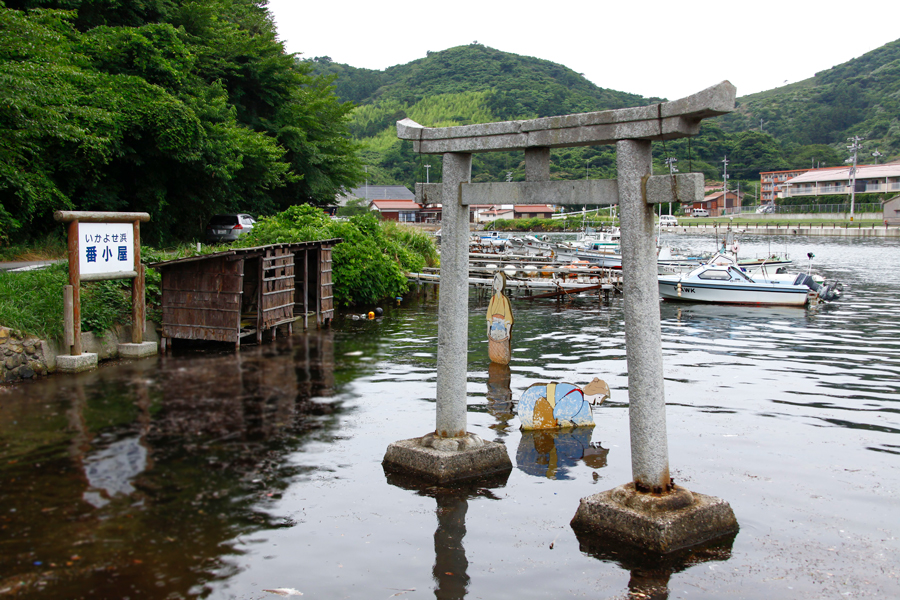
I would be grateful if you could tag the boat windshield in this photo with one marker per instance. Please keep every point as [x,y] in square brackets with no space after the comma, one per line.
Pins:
[738,274]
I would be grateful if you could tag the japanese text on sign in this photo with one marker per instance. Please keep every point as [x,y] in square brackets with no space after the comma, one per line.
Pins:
[105,248]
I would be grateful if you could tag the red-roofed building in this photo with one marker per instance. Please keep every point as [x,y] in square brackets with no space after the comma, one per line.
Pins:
[717,203]
[404,211]
[771,184]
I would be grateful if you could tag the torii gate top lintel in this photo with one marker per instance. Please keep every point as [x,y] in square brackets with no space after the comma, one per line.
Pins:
[663,121]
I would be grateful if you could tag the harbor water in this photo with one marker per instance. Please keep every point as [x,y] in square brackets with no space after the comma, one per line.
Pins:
[207,473]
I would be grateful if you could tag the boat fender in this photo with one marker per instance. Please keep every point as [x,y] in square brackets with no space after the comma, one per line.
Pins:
[735,247]
[679,289]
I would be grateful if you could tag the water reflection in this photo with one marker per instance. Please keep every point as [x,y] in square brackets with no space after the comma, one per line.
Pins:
[450,569]
[157,467]
[552,453]
[650,572]
[499,397]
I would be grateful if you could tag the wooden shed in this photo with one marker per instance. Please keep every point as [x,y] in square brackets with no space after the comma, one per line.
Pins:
[244,292]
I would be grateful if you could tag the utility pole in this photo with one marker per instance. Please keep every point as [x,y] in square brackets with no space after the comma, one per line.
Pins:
[427,167]
[854,147]
[725,181]
[876,154]
[670,162]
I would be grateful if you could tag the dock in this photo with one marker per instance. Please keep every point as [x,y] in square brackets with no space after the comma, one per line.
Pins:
[532,277]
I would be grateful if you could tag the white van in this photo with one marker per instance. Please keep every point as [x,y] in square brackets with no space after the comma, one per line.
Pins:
[699,212]
[668,221]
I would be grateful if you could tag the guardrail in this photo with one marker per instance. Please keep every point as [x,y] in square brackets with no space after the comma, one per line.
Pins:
[810,209]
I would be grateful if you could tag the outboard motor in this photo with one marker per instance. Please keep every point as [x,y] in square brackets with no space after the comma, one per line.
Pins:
[827,292]
[804,279]
[832,292]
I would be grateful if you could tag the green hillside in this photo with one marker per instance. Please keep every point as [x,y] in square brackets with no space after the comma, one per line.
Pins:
[464,85]
[803,123]
[859,97]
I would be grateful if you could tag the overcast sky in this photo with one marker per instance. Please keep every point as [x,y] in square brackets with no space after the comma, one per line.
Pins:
[651,48]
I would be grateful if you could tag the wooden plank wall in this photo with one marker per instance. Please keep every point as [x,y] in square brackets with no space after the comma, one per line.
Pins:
[326,286]
[202,300]
[277,289]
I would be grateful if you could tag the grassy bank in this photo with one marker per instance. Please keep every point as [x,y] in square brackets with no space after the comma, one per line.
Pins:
[368,267]
[32,301]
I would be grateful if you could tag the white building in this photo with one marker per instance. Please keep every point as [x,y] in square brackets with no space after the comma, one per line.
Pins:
[870,179]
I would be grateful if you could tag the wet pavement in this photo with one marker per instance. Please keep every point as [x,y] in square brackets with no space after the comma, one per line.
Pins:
[213,474]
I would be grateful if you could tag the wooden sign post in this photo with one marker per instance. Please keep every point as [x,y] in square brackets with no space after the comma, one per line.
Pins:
[103,245]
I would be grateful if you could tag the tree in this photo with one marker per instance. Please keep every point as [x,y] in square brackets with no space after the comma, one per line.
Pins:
[174,107]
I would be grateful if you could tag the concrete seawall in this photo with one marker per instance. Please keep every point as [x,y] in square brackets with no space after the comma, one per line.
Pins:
[23,356]
[795,228]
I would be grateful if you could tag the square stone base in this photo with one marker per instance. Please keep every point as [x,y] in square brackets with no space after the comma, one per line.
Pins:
[66,363]
[137,350]
[654,528]
[409,457]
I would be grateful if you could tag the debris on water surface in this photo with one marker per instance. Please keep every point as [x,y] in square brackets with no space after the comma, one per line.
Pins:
[285,592]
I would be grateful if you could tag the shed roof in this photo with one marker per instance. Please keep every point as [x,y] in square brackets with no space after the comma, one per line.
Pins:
[383,192]
[244,251]
[391,205]
[533,208]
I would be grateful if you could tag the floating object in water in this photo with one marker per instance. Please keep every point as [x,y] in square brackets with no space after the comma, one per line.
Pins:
[371,315]
[379,312]
[556,405]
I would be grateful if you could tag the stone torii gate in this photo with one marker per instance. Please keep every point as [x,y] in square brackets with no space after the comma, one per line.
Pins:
[450,452]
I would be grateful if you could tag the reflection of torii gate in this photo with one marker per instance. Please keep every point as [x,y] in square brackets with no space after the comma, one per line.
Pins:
[635,190]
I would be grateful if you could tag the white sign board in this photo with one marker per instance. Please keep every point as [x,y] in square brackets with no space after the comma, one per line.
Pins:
[105,248]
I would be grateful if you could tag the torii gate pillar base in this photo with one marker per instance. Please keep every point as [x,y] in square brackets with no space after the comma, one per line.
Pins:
[660,523]
[446,460]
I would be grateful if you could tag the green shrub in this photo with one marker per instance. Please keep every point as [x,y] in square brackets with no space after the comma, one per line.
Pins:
[371,263]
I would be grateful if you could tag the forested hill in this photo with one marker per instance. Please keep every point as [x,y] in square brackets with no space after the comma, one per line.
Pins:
[859,97]
[802,124]
[459,86]
[519,85]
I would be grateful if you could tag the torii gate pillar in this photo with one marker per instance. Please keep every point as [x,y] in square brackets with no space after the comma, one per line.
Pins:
[643,343]
[453,305]
[450,453]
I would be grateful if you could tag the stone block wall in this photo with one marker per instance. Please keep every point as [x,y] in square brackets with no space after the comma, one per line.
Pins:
[21,355]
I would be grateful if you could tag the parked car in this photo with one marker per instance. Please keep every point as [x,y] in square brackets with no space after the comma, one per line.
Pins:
[668,221]
[765,208]
[699,212]
[228,228]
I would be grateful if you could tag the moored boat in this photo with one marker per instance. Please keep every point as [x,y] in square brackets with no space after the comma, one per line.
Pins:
[721,281]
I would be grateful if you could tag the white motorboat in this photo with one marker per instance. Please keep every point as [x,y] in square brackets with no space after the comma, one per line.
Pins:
[721,281]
